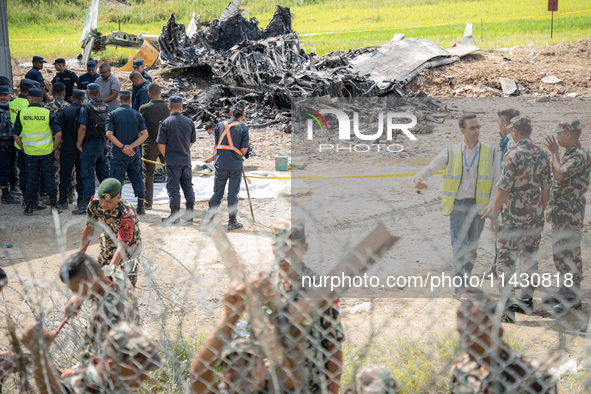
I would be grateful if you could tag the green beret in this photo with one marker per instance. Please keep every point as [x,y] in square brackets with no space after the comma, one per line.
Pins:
[109,188]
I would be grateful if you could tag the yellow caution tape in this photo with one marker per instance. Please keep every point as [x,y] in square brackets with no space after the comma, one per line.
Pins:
[403,175]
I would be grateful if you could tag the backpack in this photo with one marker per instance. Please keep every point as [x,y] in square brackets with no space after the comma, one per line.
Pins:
[97,119]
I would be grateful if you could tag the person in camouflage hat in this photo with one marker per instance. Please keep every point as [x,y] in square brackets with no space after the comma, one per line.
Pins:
[567,211]
[109,293]
[522,196]
[121,219]
[128,355]
[322,341]
[488,364]
[375,379]
[57,104]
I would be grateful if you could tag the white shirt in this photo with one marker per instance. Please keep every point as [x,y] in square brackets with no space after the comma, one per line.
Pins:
[467,187]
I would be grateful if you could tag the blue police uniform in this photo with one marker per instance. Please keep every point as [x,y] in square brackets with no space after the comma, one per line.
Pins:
[6,146]
[35,75]
[126,124]
[86,79]
[177,133]
[68,78]
[69,155]
[93,157]
[228,162]
[41,164]
[141,95]
[146,76]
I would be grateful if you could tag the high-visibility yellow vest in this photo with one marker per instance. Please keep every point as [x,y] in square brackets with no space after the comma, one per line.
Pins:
[16,105]
[452,176]
[36,135]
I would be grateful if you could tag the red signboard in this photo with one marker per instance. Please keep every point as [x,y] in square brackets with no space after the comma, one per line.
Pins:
[552,5]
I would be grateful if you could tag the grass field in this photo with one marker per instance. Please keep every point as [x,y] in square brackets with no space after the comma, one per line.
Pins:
[49,29]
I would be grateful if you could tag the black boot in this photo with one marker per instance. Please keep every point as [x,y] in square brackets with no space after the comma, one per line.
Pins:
[54,205]
[189,214]
[81,209]
[8,198]
[63,202]
[233,224]
[29,208]
[141,209]
[173,218]
[38,205]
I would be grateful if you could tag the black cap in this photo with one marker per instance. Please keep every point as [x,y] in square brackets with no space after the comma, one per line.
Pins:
[124,93]
[93,86]
[137,63]
[91,65]
[26,83]
[35,93]
[4,90]
[4,79]
[238,107]
[176,99]
[60,60]
[78,93]
[38,59]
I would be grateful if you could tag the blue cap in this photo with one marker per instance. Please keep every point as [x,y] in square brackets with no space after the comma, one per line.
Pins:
[4,90]
[176,99]
[37,84]
[137,63]
[4,79]
[78,93]
[238,107]
[124,93]
[59,60]
[39,59]
[26,83]
[91,65]
[93,86]
[35,93]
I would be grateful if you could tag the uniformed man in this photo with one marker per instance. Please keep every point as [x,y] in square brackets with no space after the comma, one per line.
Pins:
[65,76]
[138,65]
[567,211]
[4,81]
[16,105]
[175,138]
[489,365]
[521,198]
[69,153]
[34,74]
[231,139]
[470,173]
[7,153]
[109,86]
[322,343]
[126,129]
[109,292]
[110,209]
[57,104]
[139,94]
[129,353]
[154,112]
[89,77]
[34,132]
[92,144]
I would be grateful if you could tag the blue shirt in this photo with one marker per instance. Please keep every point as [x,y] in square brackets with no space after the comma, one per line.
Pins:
[35,75]
[126,124]
[228,159]
[53,123]
[5,123]
[146,76]
[83,119]
[86,79]
[67,121]
[68,78]
[141,96]
[177,132]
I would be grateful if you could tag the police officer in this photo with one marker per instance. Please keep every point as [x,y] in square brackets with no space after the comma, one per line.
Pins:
[138,65]
[70,155]
[231,138]
[15,106]
[126,129]
[65,76]
[89,77]
[175,138]
[154,112]
[57,104]
[6,147]
[4,81]
[34,74]
[92,144]
[33,132]
[139,95]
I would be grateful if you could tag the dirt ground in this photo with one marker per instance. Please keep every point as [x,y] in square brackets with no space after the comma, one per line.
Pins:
[183,278]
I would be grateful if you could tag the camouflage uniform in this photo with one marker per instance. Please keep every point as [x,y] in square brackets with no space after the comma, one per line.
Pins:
[373,380]
[116,305]
[124,343]
[57,105]
[567,208]
[513,373]
[526,172]
[123,222]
